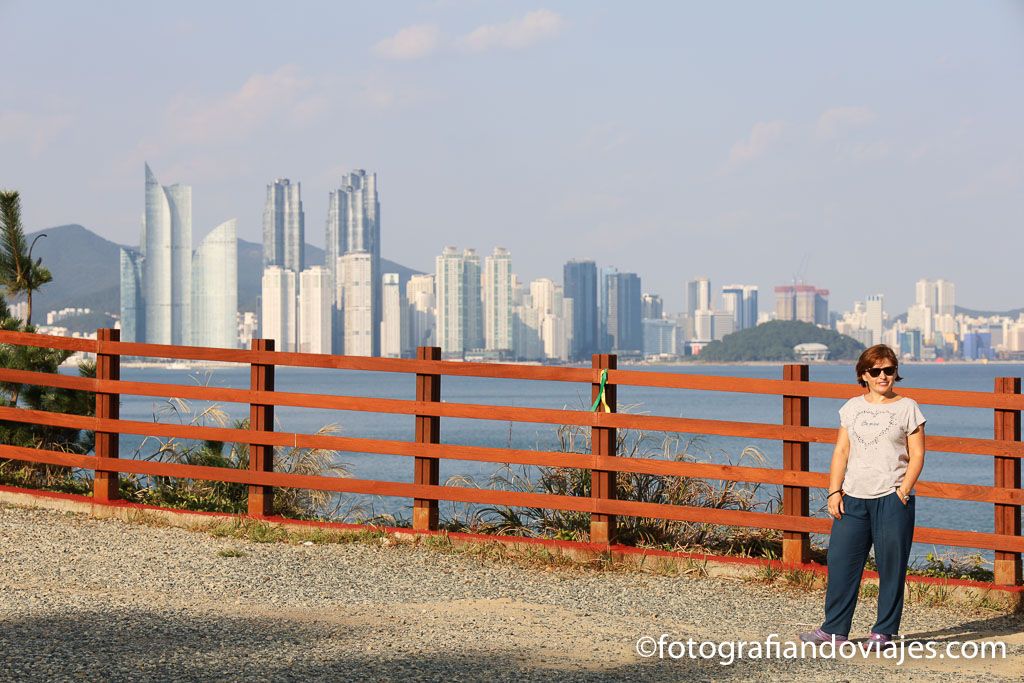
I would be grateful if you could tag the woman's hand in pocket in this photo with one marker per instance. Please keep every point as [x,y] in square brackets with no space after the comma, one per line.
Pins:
[835,506]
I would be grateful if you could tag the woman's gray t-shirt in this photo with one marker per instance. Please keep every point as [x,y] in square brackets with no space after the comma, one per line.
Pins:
[878,444]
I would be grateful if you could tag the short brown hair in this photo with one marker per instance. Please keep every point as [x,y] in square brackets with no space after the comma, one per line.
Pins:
[871,356]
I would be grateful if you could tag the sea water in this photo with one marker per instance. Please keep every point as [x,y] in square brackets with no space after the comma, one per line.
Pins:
[931,512]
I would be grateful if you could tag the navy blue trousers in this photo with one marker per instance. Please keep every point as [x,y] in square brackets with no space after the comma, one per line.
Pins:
[888,525]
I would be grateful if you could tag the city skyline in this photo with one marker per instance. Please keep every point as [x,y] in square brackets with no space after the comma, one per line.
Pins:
[755,165]
[543,317]
[353,218]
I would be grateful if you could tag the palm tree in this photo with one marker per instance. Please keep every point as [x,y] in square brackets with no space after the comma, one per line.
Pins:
[17,271]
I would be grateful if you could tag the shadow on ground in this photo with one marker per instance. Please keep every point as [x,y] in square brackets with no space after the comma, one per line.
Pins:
[123,644]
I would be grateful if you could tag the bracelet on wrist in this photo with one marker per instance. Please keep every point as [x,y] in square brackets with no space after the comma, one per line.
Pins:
[840,491]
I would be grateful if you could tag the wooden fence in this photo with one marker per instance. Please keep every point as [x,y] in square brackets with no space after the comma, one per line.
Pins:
[794,389]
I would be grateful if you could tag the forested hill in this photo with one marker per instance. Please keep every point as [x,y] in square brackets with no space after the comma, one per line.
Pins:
[775,341]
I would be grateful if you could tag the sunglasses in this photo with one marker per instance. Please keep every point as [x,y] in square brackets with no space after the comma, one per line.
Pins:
[889,371]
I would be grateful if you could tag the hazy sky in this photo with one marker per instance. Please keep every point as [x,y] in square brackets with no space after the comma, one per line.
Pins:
[859,145]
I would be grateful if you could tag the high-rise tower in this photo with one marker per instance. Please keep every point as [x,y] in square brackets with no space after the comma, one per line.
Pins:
[580,285]
[698,295]
[215,288]
[315,310]
[354,293]
[279,316]
[622,316]
[353,226]
[133,304]
[284,226]
[473,327]
[451,306]
[167,271]
[497,300]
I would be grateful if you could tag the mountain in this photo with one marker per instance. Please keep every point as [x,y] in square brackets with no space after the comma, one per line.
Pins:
[85,267]
[974,313]
[86,272]
[1014,313]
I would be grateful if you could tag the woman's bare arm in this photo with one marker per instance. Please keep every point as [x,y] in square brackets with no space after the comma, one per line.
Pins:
[915,448]
[837,471]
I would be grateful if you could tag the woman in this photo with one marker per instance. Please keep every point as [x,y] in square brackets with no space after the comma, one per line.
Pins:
[877,459]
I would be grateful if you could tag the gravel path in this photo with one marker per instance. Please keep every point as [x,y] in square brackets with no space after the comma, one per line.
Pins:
[102,599]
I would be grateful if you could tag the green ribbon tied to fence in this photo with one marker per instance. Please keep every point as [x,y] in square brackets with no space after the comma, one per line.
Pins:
[600,400]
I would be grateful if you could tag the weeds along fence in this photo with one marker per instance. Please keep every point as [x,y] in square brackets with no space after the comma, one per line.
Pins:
[426,408]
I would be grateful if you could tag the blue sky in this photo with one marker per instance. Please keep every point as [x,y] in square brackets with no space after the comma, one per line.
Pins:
[860,146]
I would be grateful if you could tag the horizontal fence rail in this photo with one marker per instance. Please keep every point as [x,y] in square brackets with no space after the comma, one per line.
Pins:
[775,387]
[427,408]
[942,444]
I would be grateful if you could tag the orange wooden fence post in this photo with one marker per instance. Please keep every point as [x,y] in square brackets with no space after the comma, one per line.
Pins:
[108,366]
[261,419]
[428,430]
[1007,475]
[603,442]
[796,545]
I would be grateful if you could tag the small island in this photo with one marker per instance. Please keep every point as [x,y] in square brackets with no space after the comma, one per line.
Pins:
[775,341]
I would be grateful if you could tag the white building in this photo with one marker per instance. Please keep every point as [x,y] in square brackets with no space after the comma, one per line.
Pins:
[497,300]
[939,295]
[661,337]
[698,295]
[315,310]
[527,344]
[393,332]
[874,317]
[703,325]
[419,292]
[451,293]
[1014,338]
[920,317]
[554,318]
[248,328]
[732,303]
[279,313]
[354,294]
[722,323]
[811,351]
[215,288]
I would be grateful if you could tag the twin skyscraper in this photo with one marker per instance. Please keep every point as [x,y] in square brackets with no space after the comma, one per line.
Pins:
[337,307]
[170,294]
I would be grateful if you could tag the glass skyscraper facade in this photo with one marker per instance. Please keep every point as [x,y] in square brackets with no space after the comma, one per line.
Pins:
[133,305]
[580,285]
[353,226]
[170,295]
[167,270]
[622,318]
[473,308]
[215,288]
[284,226]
